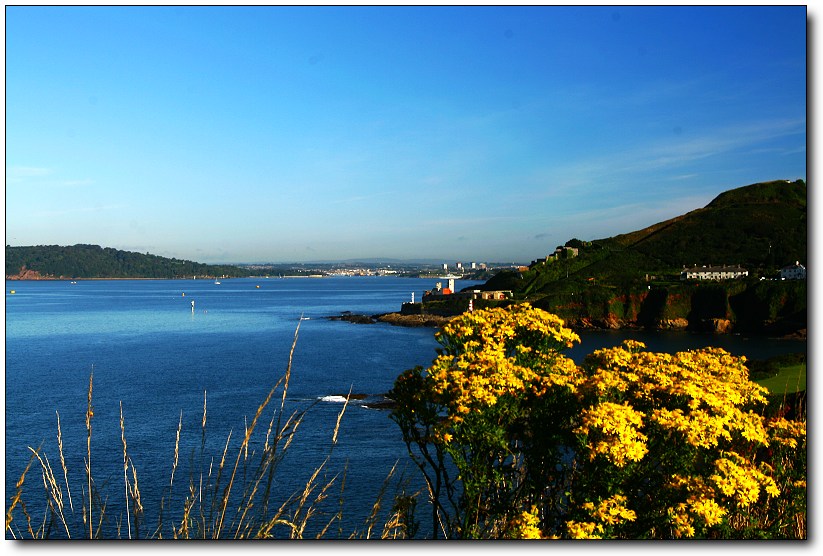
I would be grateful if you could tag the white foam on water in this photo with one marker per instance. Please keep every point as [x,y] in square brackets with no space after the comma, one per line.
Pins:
[333,399]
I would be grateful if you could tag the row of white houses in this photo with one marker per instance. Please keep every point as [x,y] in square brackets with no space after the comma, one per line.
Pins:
[794,271]
[713,273]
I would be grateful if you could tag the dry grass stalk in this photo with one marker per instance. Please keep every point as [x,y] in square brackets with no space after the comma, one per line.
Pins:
[137,504]
[397,525]
[298,529]
[299,518]
[176,453]
[371,520]
[63,461]
[339,515]
[339,417]
[270,455]
[89,415]
[243,447]
[158,532]
[17,499]
[55,495]
[125,469]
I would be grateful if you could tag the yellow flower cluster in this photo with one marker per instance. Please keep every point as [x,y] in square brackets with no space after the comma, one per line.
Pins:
[700,428]
[735,478]
[700,503]
[708,509]
[584,530]
[526,525]
[682,523]
[617,437]
[707,378]
[503,351]
[611,511]
[785,432]
[740,480]
[698,393]
[492,328]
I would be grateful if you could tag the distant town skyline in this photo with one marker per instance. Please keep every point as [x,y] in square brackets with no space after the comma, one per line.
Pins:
[452,133]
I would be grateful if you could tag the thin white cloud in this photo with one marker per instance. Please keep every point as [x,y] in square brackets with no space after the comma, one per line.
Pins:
[360,198]
[630,217]
[433,180]
[79,210]
[714,143]
[35,175]
[610,170]
[19,174]
[471,221]
[74,183]
[28,171]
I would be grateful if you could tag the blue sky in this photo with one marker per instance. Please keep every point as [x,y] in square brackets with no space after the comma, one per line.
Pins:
[288,134]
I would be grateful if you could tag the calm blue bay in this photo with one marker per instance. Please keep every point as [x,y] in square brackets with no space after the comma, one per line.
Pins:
[148,350]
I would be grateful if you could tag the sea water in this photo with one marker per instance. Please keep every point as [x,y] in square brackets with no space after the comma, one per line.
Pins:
[160,351]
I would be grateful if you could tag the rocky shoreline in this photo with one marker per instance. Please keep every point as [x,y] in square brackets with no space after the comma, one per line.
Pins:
[26,274]
[717,326]
[395,319]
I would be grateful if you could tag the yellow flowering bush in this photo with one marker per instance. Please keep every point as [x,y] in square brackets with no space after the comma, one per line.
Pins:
[617,435]
[525,526]
[517,441]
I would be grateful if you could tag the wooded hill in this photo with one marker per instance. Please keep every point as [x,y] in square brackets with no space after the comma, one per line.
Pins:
[635,277]
[93,261]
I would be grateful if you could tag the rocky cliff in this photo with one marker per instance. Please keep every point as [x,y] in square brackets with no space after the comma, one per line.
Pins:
[27,274]
[768,307]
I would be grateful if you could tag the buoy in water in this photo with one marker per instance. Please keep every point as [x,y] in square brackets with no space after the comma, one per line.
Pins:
[256,286]
[13,291]
[184,294]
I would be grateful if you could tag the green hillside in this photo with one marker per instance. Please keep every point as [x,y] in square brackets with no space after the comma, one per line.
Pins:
[93,261]
[635,277]
[760,226]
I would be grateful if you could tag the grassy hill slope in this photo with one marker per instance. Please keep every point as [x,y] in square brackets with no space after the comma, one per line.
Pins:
[760,226]
[634,278]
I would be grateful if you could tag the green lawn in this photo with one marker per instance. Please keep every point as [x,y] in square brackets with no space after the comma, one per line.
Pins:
[790,379]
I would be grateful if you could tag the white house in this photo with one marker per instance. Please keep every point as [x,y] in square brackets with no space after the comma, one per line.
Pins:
[794,271]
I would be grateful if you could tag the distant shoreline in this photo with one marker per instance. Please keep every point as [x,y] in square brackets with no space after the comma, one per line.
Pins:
[63,279]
